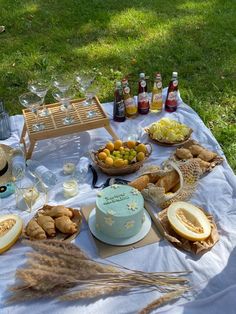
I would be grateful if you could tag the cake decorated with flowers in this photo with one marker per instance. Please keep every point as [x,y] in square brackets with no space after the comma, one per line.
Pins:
[119,211]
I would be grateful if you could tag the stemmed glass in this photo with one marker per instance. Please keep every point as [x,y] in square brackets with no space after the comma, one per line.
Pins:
[64,98]
[62,83]
[40,88]
[84,83]
[33,102]
[86,86]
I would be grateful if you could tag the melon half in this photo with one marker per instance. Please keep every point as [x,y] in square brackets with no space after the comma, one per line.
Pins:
[10,229]
[188,221]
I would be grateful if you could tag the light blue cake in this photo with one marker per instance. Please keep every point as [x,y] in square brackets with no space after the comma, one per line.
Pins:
[119,211]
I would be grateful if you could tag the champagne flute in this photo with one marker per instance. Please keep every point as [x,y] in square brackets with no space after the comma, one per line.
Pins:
[64,98]
[40,88]
[33,102]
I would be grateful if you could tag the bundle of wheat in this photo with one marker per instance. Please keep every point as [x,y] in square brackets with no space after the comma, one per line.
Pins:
[62,270]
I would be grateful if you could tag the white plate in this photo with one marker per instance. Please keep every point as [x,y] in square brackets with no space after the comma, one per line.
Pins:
[119,241]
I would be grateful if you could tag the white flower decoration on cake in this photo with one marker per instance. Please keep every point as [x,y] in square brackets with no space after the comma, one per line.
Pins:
[109,221]
[129,224]
[132,206]
[114,186]
[111,212]
[135,192]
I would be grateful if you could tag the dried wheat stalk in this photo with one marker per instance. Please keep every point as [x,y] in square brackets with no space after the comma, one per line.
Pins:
[62,270]
[170,296]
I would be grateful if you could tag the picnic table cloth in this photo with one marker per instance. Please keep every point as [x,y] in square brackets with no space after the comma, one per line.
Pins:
[213,276]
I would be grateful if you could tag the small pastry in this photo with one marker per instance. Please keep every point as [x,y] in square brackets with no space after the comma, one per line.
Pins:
[48,225]
[34,231]
[204,165]
[168,181]
[58,211]
[207,155]
[183,153]
[195,149]
[65,225]
[140,183]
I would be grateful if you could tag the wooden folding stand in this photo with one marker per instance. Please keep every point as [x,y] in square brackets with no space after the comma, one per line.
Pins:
[54,126]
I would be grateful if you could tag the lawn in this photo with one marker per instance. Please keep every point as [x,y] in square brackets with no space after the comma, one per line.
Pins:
[116,38]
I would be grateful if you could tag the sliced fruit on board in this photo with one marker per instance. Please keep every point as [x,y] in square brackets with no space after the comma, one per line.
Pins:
[189,221]
[10,230]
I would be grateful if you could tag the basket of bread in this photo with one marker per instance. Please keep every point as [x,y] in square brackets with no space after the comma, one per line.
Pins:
[57,222]
[120,158]
[168,132]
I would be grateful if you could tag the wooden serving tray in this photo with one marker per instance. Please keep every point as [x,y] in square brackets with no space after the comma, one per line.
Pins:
[54,126]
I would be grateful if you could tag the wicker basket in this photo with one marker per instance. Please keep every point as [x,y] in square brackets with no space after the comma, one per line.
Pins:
[167,143]
[113,171]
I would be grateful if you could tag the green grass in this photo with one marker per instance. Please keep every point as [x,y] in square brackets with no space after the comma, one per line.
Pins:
[195,38]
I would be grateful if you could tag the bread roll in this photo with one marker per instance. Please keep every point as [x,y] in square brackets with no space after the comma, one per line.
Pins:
[168,181]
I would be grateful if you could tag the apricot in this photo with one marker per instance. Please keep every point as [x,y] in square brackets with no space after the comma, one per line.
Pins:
[102,156]
[117,144]
[118,163]
[141,148]
[109,161]
[106,151]
[131,144]
[110,146]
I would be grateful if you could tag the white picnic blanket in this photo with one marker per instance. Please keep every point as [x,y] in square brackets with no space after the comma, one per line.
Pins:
[213,274]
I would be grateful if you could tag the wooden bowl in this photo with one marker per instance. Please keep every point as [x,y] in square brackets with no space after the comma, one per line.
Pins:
[114,171]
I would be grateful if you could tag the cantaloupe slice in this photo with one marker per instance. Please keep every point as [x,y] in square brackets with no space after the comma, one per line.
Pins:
[189,221]
[10,229]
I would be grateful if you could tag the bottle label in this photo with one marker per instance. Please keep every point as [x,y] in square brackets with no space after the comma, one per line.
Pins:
[175,83]
[143,97]
[172,96]
[120,109]
[157,97]
[159,84]
[126,90]
[143,83]
[40,170]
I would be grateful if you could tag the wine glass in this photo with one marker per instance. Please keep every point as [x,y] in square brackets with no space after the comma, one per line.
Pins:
[33,102]
[40,88]
[64,98]
[84,83]
[62,83]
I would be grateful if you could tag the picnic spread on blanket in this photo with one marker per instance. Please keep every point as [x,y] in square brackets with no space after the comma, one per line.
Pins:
[110,208]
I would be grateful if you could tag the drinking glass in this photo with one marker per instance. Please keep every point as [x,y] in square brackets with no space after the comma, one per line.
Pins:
[84,83]
[62,83]
[32,102]
[64,98]
[40,88]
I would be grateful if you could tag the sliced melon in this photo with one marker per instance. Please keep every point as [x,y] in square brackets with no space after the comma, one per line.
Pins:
[189,221]
[10,229]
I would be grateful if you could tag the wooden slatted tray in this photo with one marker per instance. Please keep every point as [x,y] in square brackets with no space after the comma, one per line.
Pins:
[54,126]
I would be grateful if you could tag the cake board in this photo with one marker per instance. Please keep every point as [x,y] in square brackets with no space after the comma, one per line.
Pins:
[54,126]
[107,250]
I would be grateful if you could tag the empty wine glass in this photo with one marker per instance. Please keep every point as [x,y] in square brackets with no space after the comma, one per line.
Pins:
[33,102]
[62,83]
[84,83]
[40,88]
[64,98]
